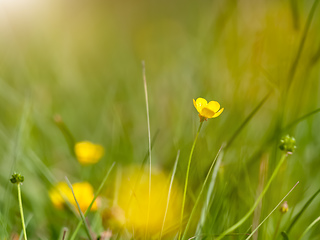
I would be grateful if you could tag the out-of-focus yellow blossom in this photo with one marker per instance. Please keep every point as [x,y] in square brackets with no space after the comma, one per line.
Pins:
[88,152]
[133,198]
[83,192]
[113,218]
[207,110]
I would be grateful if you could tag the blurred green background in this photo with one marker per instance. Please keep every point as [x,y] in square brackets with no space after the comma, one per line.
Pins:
[82,60]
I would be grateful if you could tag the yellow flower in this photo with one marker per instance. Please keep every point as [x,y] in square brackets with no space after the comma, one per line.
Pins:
[87,152]
[207,110]
[83,192]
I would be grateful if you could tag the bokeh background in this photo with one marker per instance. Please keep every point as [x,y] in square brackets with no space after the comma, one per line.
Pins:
[82,60]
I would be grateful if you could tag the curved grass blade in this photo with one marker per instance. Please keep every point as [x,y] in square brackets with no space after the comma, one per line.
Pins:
[276,207]
[309,227]
[296,218]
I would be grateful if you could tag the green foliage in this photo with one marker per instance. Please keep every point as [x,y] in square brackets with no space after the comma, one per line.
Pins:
[72,72]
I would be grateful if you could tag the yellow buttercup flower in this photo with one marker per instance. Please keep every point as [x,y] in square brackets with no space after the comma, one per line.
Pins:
[207,110]
[88,152]
[82,190]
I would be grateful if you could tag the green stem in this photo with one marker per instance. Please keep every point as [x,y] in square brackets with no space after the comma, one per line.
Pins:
[21,212]
[242,220]
[187,177]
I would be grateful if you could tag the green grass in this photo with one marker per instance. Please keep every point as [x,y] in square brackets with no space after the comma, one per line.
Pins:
[259,60]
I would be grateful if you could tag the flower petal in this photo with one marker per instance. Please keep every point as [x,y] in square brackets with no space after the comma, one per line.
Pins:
[199,104]
[207,112]
[217,114]
[214,106]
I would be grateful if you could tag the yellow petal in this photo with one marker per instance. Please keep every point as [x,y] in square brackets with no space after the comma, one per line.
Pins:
[218,113]
[199,104]
[207,112]
[214,106]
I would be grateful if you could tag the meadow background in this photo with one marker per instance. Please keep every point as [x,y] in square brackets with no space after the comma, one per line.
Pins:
[82,60]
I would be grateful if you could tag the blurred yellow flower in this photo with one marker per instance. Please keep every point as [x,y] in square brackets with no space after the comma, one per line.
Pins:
[133,198]
[207,110]
[83,192]
[88,152]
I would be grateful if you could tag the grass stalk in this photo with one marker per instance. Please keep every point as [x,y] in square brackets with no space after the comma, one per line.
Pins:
[187,178]
[21,212]
[149,142]
[301,44]
[94,198]
[309,227]
[296,217]
[244,218]
[80,212]
[169,192]
[202,190]
[276,207]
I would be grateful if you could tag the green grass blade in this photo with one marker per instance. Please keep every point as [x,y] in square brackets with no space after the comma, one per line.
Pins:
[149,141]
[244,218]
[79,209]
[295,122]
[276,207]
[301,45]
[245,122]
[309,227]
[206,206]
[169,192]
[210,190]
[94,198]
[296,218]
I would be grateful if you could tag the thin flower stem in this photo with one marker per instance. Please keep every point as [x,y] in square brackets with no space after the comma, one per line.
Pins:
[21,212]
[242,220]
[187,177]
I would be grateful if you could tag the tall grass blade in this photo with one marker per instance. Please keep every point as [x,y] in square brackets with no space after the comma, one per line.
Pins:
[79,209]
[245,122]
[219,157]
[309,227]
[301,44]
[276,207]
[149,141]
[296,218]
[244,218]
[206,205]
[169,192]
[94,198]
